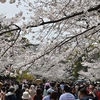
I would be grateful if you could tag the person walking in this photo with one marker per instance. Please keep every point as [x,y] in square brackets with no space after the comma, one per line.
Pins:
[67,95]
[47,97]
[54,96]
[38,95]
[26,96]
[11,94]
[83,95]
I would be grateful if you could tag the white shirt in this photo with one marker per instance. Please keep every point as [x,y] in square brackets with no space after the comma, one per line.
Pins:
[46,97]
[67,96]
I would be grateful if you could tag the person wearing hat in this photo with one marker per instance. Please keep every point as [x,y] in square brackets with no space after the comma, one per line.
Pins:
[11,94]
[26,96]
[32,90]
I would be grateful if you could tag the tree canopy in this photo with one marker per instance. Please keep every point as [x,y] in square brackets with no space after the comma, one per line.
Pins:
[66,35]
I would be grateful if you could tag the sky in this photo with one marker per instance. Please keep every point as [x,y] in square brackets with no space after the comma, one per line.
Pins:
[10,10]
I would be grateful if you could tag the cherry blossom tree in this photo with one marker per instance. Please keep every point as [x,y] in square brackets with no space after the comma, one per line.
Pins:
[65,30]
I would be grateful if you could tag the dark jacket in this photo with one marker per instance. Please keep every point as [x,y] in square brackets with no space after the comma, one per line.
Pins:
[10,96]
[87,98]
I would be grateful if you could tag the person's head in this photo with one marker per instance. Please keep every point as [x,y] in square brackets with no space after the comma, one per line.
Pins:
[53,96]
[87,87]
[47,87]
[32,87]
[1,84]
[66,88]
[59,89]
[62,82]
[25,95]
[12,89]
[91,87]
[73,90]
[52,84]
[26,86]
[39,91]
[82,92]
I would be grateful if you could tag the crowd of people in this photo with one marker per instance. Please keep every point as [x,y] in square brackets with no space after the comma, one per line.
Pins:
[50,90]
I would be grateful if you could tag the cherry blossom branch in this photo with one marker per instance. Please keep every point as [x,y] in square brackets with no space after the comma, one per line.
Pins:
[67,17]
[62,43]
[12,43]
[97,7]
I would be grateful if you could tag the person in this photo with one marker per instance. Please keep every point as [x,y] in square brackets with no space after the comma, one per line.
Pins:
[59,92]
[24,88]
[83,95]
[73,91]
[2,91]
[47,84]
[62,85]
[32,90]
[26,96]
[45,90]
[98,90]
[67,95]
[38,95]
[17,90]
[11,94]
[54,86]
[54,96]
[92,92]
[49,91]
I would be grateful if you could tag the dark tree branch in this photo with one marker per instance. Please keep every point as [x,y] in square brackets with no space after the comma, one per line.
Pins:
[97,7]
[63,42]
[68,17]
[12,43]
[50,68]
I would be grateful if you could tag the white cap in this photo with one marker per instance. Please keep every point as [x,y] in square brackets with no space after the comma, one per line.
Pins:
[25,95]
